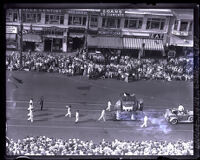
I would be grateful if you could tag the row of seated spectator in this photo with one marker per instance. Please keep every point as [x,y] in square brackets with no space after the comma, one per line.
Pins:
[96,66]
[51,146]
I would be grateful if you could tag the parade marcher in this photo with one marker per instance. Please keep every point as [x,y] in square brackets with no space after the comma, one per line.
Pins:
[77,116]
[68,111]
[41,102]
[30,104]
[102,115]
[145,122]
[30,114]
[109,106]
[181,109]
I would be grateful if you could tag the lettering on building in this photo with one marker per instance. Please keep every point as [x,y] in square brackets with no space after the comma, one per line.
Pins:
[11,29]
[112,12]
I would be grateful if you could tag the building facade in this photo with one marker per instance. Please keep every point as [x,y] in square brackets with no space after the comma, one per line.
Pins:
[139,31]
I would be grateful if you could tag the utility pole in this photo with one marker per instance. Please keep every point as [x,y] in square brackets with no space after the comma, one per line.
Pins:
[20,36]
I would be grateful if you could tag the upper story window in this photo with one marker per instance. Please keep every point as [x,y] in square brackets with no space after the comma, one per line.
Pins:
[77,20]
[94,21]
[134,23]
[54,19]
[155,23]
[31,17]
[176,25]
[111,22]
[191,26]
[183,26]
[11,16]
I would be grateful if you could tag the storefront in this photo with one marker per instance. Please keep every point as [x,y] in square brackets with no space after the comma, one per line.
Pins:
[76,39]
[143,44]
[106,40]
[11,37]
[31,41]
[54,39]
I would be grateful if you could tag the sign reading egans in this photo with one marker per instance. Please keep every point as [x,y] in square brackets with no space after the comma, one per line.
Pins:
[112,12]
[11,29]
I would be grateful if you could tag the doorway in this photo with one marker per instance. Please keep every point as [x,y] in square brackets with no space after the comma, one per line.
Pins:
[47,45]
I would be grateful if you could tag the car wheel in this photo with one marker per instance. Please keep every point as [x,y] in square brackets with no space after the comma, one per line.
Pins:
[190,119]
[174,121]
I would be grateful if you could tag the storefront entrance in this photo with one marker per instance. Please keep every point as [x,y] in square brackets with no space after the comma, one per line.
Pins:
[53,45]
[75,44]
[28,46]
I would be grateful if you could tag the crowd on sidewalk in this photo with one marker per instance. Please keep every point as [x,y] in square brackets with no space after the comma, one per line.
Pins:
[51,146]
[99,66]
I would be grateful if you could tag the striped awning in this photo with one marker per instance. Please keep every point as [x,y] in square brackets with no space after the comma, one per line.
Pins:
[32,38]
[92,41]
[136,43]
[105,42]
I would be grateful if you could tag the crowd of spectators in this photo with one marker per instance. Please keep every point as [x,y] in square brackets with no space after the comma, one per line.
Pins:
[98,65]
[51,146]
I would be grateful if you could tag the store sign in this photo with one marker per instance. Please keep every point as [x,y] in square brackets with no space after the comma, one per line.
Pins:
[157,36]
[180,33]
[11,29]
[112,12]
[109,32]
[77,12]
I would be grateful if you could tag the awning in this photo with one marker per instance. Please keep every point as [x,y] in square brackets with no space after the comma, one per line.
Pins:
[110,42]
[136,43]
[76,35]
[105,42]
[183,42]
[11,36]
[92,41]
[32,38]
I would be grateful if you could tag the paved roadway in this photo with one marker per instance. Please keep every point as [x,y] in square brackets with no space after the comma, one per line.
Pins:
[90,97]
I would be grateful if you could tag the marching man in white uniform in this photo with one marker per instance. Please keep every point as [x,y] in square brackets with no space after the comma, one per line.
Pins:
[30,114]
[77,116]
[68,111]
[145,122]
[109,106]
[102,115]
[30,104]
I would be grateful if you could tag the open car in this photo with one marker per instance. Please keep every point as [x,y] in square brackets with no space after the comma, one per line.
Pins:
[173,116]
[128,107]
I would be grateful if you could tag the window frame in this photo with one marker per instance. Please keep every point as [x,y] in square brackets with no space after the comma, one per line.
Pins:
[137,19]
[105,24]
[92,22]
[10,16]
[186,29]
[31,17]
[54,19]
[160,21]
[83,20]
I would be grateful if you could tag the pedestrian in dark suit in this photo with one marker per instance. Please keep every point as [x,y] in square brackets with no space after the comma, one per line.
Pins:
[41,102]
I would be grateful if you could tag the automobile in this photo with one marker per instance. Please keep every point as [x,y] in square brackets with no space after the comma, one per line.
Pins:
[173,116]
[128,107]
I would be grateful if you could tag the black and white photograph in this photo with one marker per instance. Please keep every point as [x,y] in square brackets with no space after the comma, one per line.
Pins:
[99,81]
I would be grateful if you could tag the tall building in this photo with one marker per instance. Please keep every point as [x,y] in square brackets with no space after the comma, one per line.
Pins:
[138,31]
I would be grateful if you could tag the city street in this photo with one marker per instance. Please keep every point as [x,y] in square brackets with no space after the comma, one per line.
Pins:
[90,97]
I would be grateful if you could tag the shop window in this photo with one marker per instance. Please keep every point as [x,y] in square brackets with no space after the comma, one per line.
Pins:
[111,22]
[155,23]
[77,20]
[176,25]
[31,17]
[93,21]
[183,26]
[134,23]
[54,19]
